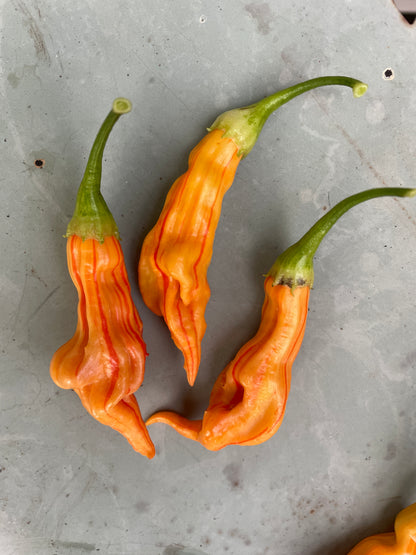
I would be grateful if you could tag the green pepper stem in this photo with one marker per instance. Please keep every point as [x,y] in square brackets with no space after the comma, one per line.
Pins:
[294,267]
[92,218]
[244,125]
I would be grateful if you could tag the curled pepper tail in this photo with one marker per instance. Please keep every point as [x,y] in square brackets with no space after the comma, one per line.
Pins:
[124,417]
[187,428]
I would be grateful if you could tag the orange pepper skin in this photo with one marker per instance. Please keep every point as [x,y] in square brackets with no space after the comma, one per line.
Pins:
[248,400]
[400,542]
[104,361]
[176,253]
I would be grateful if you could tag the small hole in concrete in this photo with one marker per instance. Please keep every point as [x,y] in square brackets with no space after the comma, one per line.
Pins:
[39,163]
[388,74]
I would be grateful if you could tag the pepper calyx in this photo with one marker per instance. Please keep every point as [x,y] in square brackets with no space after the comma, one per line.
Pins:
[292,269]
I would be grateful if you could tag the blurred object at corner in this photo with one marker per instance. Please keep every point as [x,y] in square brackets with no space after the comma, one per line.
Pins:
[407,8]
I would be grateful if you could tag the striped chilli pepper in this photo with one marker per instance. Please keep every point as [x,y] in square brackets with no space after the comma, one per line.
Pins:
[104,361]
[176,253]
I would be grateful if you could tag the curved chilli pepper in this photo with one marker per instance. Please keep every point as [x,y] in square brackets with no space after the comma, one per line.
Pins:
[176,253]
[400,542]
[104,361]
[248,400]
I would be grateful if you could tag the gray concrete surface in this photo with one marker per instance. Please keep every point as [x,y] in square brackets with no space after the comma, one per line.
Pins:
[343,462]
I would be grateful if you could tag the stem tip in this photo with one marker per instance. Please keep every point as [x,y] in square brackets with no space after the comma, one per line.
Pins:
[359,89]
[121,106]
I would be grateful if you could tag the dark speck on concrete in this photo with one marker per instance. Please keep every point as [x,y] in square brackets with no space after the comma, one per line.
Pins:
[391,452]
[233,474]
[142,506]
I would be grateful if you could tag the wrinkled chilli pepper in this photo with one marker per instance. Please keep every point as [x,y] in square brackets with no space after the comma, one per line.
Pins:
[400,542]
[248,400]
[104,361]
[176,253]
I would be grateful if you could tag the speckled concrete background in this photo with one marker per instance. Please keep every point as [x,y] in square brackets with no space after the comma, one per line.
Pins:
[343,462]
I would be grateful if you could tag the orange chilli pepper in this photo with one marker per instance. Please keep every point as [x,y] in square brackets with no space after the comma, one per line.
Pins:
[400,542]
[248,400]
[104,361]
[177,252]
